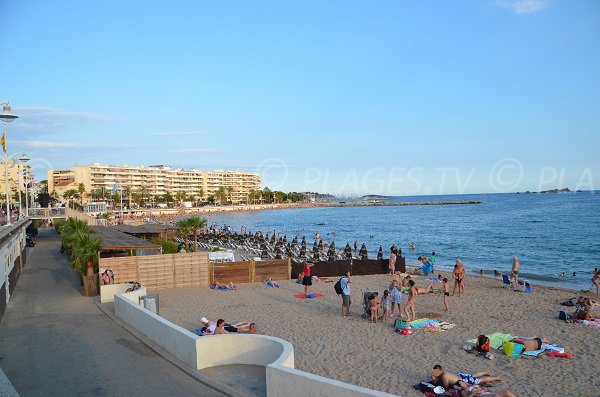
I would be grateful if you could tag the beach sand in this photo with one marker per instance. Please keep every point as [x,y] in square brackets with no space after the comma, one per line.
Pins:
[355,351]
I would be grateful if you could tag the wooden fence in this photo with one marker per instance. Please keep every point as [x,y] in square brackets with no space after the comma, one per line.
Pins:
[250,271]
[191,270]
[161,271]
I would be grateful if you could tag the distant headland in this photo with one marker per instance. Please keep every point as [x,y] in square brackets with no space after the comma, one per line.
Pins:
[564,190]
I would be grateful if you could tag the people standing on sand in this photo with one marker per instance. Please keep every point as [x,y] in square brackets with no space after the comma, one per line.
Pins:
[432,259]
[346,302]
[374,303]
[307,279]
[409,308]
[595,281]
[515,270]
[459,278]
[446,294]
[356,246]
[392,262]
[396,295]
[385,305]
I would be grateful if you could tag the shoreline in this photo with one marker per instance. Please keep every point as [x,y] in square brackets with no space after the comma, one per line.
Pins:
[280,206]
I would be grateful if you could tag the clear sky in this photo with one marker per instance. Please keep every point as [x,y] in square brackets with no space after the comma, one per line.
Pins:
[352,97]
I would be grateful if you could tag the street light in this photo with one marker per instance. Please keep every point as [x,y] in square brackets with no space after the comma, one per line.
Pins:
[24,159]
[6,116]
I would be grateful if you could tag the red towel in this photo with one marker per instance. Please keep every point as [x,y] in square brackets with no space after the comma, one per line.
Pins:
[302,296]
[557,354]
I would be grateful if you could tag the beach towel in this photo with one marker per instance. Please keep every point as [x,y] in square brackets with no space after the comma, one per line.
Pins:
[545,347]
[309,296]
[425,324]
[589,323]
[496,339]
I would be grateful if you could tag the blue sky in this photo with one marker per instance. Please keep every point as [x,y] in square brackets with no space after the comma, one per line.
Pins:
[346,97]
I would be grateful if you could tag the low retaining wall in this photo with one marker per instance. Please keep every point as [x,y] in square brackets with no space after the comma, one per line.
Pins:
[277,355]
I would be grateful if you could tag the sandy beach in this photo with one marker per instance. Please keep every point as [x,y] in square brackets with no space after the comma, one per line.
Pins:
[355,351]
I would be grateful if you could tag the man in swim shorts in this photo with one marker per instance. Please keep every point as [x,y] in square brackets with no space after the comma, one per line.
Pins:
[531,344]
[463,380]
[515,269]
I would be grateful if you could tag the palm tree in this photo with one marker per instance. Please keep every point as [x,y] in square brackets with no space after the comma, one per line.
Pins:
[127,191]
[220,195]
[201,194]
[196,224]
[184,229]
[70,195]
[180,196]
[229,190]
[71,231]
[81,191]
[167,197]
[144,192]
[85,253]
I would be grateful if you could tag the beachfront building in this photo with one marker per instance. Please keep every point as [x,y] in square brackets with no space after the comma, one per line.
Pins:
[17,172]
[155,182]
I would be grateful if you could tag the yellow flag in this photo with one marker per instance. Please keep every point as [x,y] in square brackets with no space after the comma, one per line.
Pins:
[3,141]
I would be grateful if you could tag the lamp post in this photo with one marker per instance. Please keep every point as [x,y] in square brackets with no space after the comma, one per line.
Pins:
[24,159]
[6,116]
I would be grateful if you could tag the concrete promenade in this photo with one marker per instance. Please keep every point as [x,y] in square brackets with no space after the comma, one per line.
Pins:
[56,342]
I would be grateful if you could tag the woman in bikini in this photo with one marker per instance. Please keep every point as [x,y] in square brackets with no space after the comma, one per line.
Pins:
[595,281]
[410,305]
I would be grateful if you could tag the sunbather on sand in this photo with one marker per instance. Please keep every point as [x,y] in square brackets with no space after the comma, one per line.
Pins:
[531,344]
[271,283]
[428,290]
[245,327]
[224,287]
[463,380]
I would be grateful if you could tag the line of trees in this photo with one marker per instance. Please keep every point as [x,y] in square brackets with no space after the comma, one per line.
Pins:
[141,196]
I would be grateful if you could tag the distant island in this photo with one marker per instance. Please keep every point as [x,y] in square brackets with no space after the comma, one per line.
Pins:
[565,190]
[374,197]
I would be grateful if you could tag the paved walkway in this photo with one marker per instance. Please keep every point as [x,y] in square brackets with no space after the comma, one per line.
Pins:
[56,342]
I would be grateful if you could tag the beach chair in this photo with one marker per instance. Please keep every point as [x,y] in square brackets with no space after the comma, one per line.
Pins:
[512,283]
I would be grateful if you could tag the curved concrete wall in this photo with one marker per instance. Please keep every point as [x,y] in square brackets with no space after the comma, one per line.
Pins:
[210,351]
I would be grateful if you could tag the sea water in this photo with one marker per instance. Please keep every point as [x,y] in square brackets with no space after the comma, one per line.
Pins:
[551,234]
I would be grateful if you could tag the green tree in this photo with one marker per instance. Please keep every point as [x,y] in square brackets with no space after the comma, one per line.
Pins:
[144,192]
[167,197]
[127,193]
[85,254]
[70,195]
[267,195]
[180,196]
[184,230]
[81,191]
[196,224]
[220,195]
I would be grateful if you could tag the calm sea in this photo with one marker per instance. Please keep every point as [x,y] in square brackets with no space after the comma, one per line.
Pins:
[550,233]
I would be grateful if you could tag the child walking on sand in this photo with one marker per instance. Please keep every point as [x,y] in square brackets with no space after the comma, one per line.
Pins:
[446,293]
[385,305]
[374,303]
[396,295]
